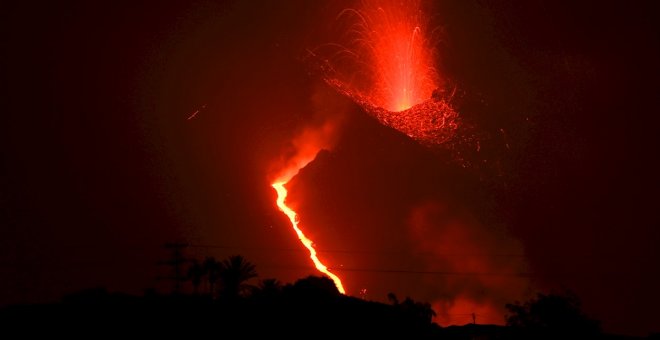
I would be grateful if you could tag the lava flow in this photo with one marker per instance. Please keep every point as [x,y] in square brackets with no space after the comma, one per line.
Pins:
[293,217]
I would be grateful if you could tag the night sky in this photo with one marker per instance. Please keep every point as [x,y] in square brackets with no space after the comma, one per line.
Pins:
[100,165]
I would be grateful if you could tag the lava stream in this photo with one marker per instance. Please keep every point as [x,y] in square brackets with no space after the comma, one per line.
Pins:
[293,217]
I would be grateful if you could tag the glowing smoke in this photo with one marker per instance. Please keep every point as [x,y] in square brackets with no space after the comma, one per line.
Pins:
[305,147]
[485,266]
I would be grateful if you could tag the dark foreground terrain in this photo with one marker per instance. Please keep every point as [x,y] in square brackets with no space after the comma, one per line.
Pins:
[299,312]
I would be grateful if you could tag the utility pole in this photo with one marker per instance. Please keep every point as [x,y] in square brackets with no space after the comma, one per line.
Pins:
[176,262]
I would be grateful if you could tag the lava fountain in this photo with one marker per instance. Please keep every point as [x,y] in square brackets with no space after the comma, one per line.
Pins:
[390,35]
[387,67]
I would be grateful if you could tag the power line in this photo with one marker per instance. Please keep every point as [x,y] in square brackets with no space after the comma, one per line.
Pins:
[349,251]
[405,271]
[431,272]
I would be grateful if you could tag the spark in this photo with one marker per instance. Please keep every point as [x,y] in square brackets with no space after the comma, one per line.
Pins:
[194,114]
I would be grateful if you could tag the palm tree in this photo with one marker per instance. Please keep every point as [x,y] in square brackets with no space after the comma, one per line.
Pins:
[211,268]
[196,272]
[268,289]
[234,271]
[270,285]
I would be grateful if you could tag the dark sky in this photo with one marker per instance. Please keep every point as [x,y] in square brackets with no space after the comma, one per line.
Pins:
[100,166]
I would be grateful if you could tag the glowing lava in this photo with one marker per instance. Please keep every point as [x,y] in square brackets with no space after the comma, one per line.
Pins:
[390,35]
[387,66]
[293,217]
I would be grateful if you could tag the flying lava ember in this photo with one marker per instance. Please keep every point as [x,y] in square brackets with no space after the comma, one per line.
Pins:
[388,68]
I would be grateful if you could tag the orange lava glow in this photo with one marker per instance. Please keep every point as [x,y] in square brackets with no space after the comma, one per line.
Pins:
[293,217]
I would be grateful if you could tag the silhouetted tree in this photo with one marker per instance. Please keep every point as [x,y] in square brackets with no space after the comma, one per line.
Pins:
[314,286]
[391,297]
[553,315]
[268,289]
[196,272]
[420,311]
[211,268]
[270,286]
[234,271]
